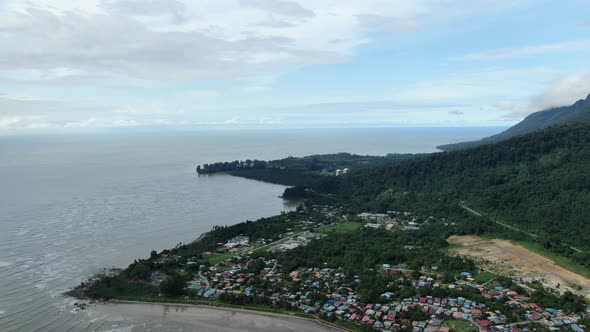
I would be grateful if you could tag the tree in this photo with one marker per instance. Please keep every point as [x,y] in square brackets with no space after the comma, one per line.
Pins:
[173,285]
[140,271]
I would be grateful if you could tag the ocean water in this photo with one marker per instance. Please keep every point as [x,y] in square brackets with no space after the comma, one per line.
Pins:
[71,205]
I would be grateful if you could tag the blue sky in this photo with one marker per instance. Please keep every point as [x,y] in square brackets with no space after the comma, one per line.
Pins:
[301,63]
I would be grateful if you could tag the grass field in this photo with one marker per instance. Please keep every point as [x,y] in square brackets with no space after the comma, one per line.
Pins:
[345,227]
[459,325]
[218,258]
[485,277]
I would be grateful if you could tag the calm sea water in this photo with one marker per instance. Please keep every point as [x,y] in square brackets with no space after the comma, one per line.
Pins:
[73,204]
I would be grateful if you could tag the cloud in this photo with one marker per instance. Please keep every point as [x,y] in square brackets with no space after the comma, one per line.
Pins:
[531,50]
[363,107]
[18,97]
[126,50]
[561,92]
[256,84]
[505,105]
[203,40]
[481,85]
[371,21]
[233,120]
[285,8]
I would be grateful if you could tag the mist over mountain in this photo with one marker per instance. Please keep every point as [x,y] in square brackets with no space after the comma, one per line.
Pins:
[579,111]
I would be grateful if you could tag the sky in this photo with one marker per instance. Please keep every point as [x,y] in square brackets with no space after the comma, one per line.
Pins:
[86,64]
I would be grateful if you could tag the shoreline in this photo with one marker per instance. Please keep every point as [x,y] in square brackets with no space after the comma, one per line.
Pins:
[204,317]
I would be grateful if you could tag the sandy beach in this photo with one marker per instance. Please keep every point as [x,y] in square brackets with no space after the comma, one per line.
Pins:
[175,317]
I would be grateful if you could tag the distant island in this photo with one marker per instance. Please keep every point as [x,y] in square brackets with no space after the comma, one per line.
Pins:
[490,238]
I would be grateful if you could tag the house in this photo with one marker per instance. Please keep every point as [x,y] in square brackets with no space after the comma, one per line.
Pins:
[240,240]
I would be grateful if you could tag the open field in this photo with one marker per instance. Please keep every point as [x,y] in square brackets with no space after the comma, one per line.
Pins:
[345,227]
[218,258]
[485,277]
[460,325]
[507,258]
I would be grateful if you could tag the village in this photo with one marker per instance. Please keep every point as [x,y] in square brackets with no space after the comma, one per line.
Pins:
[241,272]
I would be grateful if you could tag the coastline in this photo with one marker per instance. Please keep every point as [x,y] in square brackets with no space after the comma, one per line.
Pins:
[208,318]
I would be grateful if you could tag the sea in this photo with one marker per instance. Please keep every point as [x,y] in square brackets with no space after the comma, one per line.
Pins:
[74,204]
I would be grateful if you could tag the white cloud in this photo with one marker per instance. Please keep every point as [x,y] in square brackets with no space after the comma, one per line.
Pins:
[233,120]
[506,105]
[284,8]
[526,51]
[18,97]
[561,92]
[371,21]
[260,83]
[123,46]
[206,39]
[482,85]
[8,122]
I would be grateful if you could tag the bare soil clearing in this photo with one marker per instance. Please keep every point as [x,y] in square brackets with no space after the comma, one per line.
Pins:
[507,258]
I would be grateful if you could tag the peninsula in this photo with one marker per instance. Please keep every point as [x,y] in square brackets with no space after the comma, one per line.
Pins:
[402,244]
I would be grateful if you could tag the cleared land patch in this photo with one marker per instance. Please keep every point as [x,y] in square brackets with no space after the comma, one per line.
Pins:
[345,227]
[507,258]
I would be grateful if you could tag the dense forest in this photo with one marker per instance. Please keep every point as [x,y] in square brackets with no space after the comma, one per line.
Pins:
[538,182]
[299,171]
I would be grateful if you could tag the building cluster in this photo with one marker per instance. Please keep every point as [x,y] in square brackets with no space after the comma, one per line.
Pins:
[331,294]
[339,172]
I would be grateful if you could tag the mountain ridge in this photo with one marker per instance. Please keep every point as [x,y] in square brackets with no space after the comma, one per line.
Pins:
[579,111]
[538,182]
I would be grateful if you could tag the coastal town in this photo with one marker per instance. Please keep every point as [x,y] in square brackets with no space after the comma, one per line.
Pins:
[245,271]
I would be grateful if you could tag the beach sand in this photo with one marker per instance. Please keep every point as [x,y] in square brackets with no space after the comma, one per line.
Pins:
[173,317]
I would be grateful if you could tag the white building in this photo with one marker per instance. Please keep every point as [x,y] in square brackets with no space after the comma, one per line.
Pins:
[239,240]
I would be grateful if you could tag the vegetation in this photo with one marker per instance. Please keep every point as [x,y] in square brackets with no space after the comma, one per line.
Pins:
[460,325]
[532,189]
[551,299]
[560,260]
[485,277]
[538,182]
[345,227]
[362,253]
[301,171]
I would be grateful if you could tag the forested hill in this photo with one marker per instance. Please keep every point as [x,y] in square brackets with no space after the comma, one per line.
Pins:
[580,111]
[297,171]
[539,182]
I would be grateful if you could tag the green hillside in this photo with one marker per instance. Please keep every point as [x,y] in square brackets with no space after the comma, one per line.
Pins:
[580,111]
[539,182]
